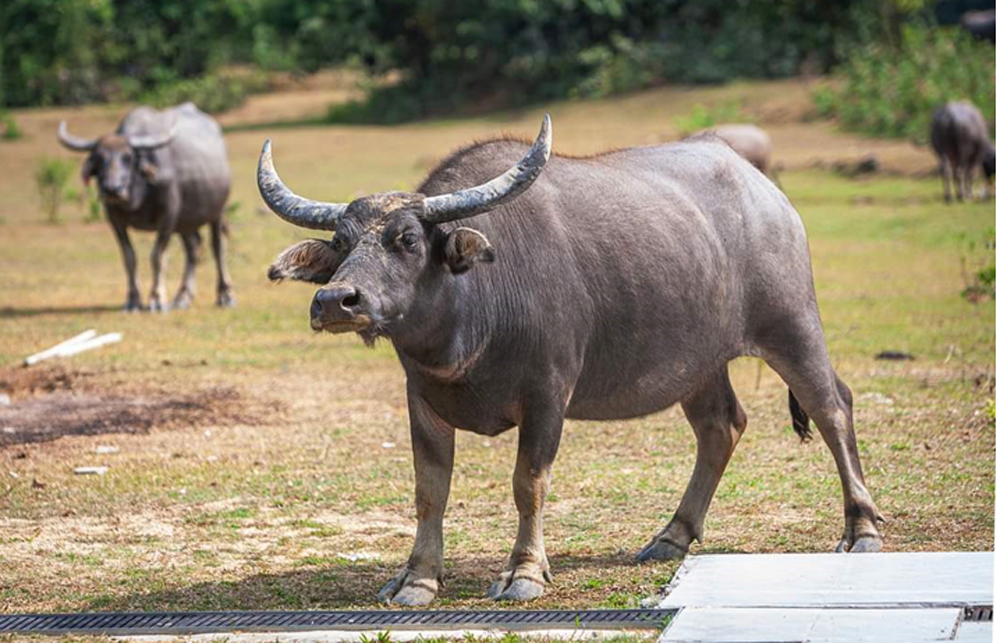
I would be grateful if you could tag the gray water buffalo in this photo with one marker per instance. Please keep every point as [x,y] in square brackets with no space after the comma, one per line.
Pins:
[619,285]
[961,140]
[164,171]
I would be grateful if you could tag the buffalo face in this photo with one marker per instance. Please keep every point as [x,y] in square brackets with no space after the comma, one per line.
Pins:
[116,161]
[392,254]
[383,262]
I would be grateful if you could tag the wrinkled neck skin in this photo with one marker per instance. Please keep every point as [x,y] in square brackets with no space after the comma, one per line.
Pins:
[432,340]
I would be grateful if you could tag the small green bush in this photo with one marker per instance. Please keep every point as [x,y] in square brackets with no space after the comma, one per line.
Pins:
[979,266]
[702,117]
[884,90]
[52,178]
[213,93]
[91,201]
[11,130]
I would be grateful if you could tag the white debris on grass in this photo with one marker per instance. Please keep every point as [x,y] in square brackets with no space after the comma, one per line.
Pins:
[105,449]
[358,555]
[85,341]
[90,471]
[388,445]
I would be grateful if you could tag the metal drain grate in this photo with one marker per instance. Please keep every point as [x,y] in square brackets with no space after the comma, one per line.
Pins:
[978,613]
[181,623]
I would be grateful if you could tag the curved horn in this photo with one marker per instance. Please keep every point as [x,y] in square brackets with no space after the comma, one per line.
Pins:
[303,212]
[504,188]
[151,141]
[75,143]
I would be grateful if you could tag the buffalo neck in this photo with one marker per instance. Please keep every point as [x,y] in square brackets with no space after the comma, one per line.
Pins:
[434,336]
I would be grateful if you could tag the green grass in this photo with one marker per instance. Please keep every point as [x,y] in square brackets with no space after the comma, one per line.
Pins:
[262,512]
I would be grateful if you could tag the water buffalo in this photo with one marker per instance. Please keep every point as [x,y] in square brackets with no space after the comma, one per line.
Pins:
[618,285]
[961,140]
[165,171]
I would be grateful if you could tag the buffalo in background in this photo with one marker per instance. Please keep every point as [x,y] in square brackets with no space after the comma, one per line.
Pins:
[164,171]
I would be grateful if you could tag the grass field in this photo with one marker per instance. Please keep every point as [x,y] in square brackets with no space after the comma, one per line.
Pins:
[260,466]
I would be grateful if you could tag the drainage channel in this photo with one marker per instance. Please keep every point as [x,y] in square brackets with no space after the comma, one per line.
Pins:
[182,623]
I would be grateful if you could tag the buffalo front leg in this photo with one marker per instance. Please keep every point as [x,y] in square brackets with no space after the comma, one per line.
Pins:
[133,301]
[158,259]
[718,422]
[433,456]
[192,250]
[224,288]
[528,568]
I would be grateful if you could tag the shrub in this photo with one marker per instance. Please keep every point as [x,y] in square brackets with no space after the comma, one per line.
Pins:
[52,177]
[92,205]
[11,130]
[979,266]
[702,117]
[213,93]
[892,91]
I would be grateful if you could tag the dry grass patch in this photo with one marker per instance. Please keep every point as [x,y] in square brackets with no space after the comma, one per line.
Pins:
[267,484]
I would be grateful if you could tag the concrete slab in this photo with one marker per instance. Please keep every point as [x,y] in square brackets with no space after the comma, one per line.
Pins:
[975,632]
[925,579]
[785,625]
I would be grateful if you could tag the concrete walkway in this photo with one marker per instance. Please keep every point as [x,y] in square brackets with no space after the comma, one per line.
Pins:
[799,598]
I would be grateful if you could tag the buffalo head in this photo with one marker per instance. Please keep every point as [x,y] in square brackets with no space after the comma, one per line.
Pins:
[388,247]
[116,160]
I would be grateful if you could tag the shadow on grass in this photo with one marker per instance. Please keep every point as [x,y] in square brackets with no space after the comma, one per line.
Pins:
[8,312]
[339,587]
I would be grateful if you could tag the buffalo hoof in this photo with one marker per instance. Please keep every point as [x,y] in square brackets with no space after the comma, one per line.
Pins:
[407,589]
[522,588]
[132,307]
[226,299]
[182,301]
[861,545]
[661,549]
[157,306]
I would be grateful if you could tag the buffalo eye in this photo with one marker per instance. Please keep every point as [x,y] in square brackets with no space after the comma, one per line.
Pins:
[409,240]
[338,244]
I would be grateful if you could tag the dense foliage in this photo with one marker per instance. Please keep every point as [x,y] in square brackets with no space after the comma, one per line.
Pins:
[892,91]
[446,54]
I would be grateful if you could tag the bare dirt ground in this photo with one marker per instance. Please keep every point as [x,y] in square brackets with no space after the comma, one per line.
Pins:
[261,466]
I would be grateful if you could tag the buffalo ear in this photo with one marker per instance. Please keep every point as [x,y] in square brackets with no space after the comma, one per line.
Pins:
[312,260]
[148,169]
[89,168]
[466,247]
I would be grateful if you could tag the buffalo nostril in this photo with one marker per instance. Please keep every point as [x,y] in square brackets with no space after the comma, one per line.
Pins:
[317,307]
[351,300]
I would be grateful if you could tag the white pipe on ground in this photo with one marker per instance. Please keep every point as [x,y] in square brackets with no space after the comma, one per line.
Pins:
[52,352]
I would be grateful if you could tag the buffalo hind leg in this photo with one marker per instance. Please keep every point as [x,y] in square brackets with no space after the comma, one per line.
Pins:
[224,289]
[433,457]
[718,421]
[944,169]
[192,252]
[805,367]
[537,443]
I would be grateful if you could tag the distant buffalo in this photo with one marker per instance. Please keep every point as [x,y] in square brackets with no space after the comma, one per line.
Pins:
[749,141]
[520,288]
[961,140]
[164,171]
[982,24]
